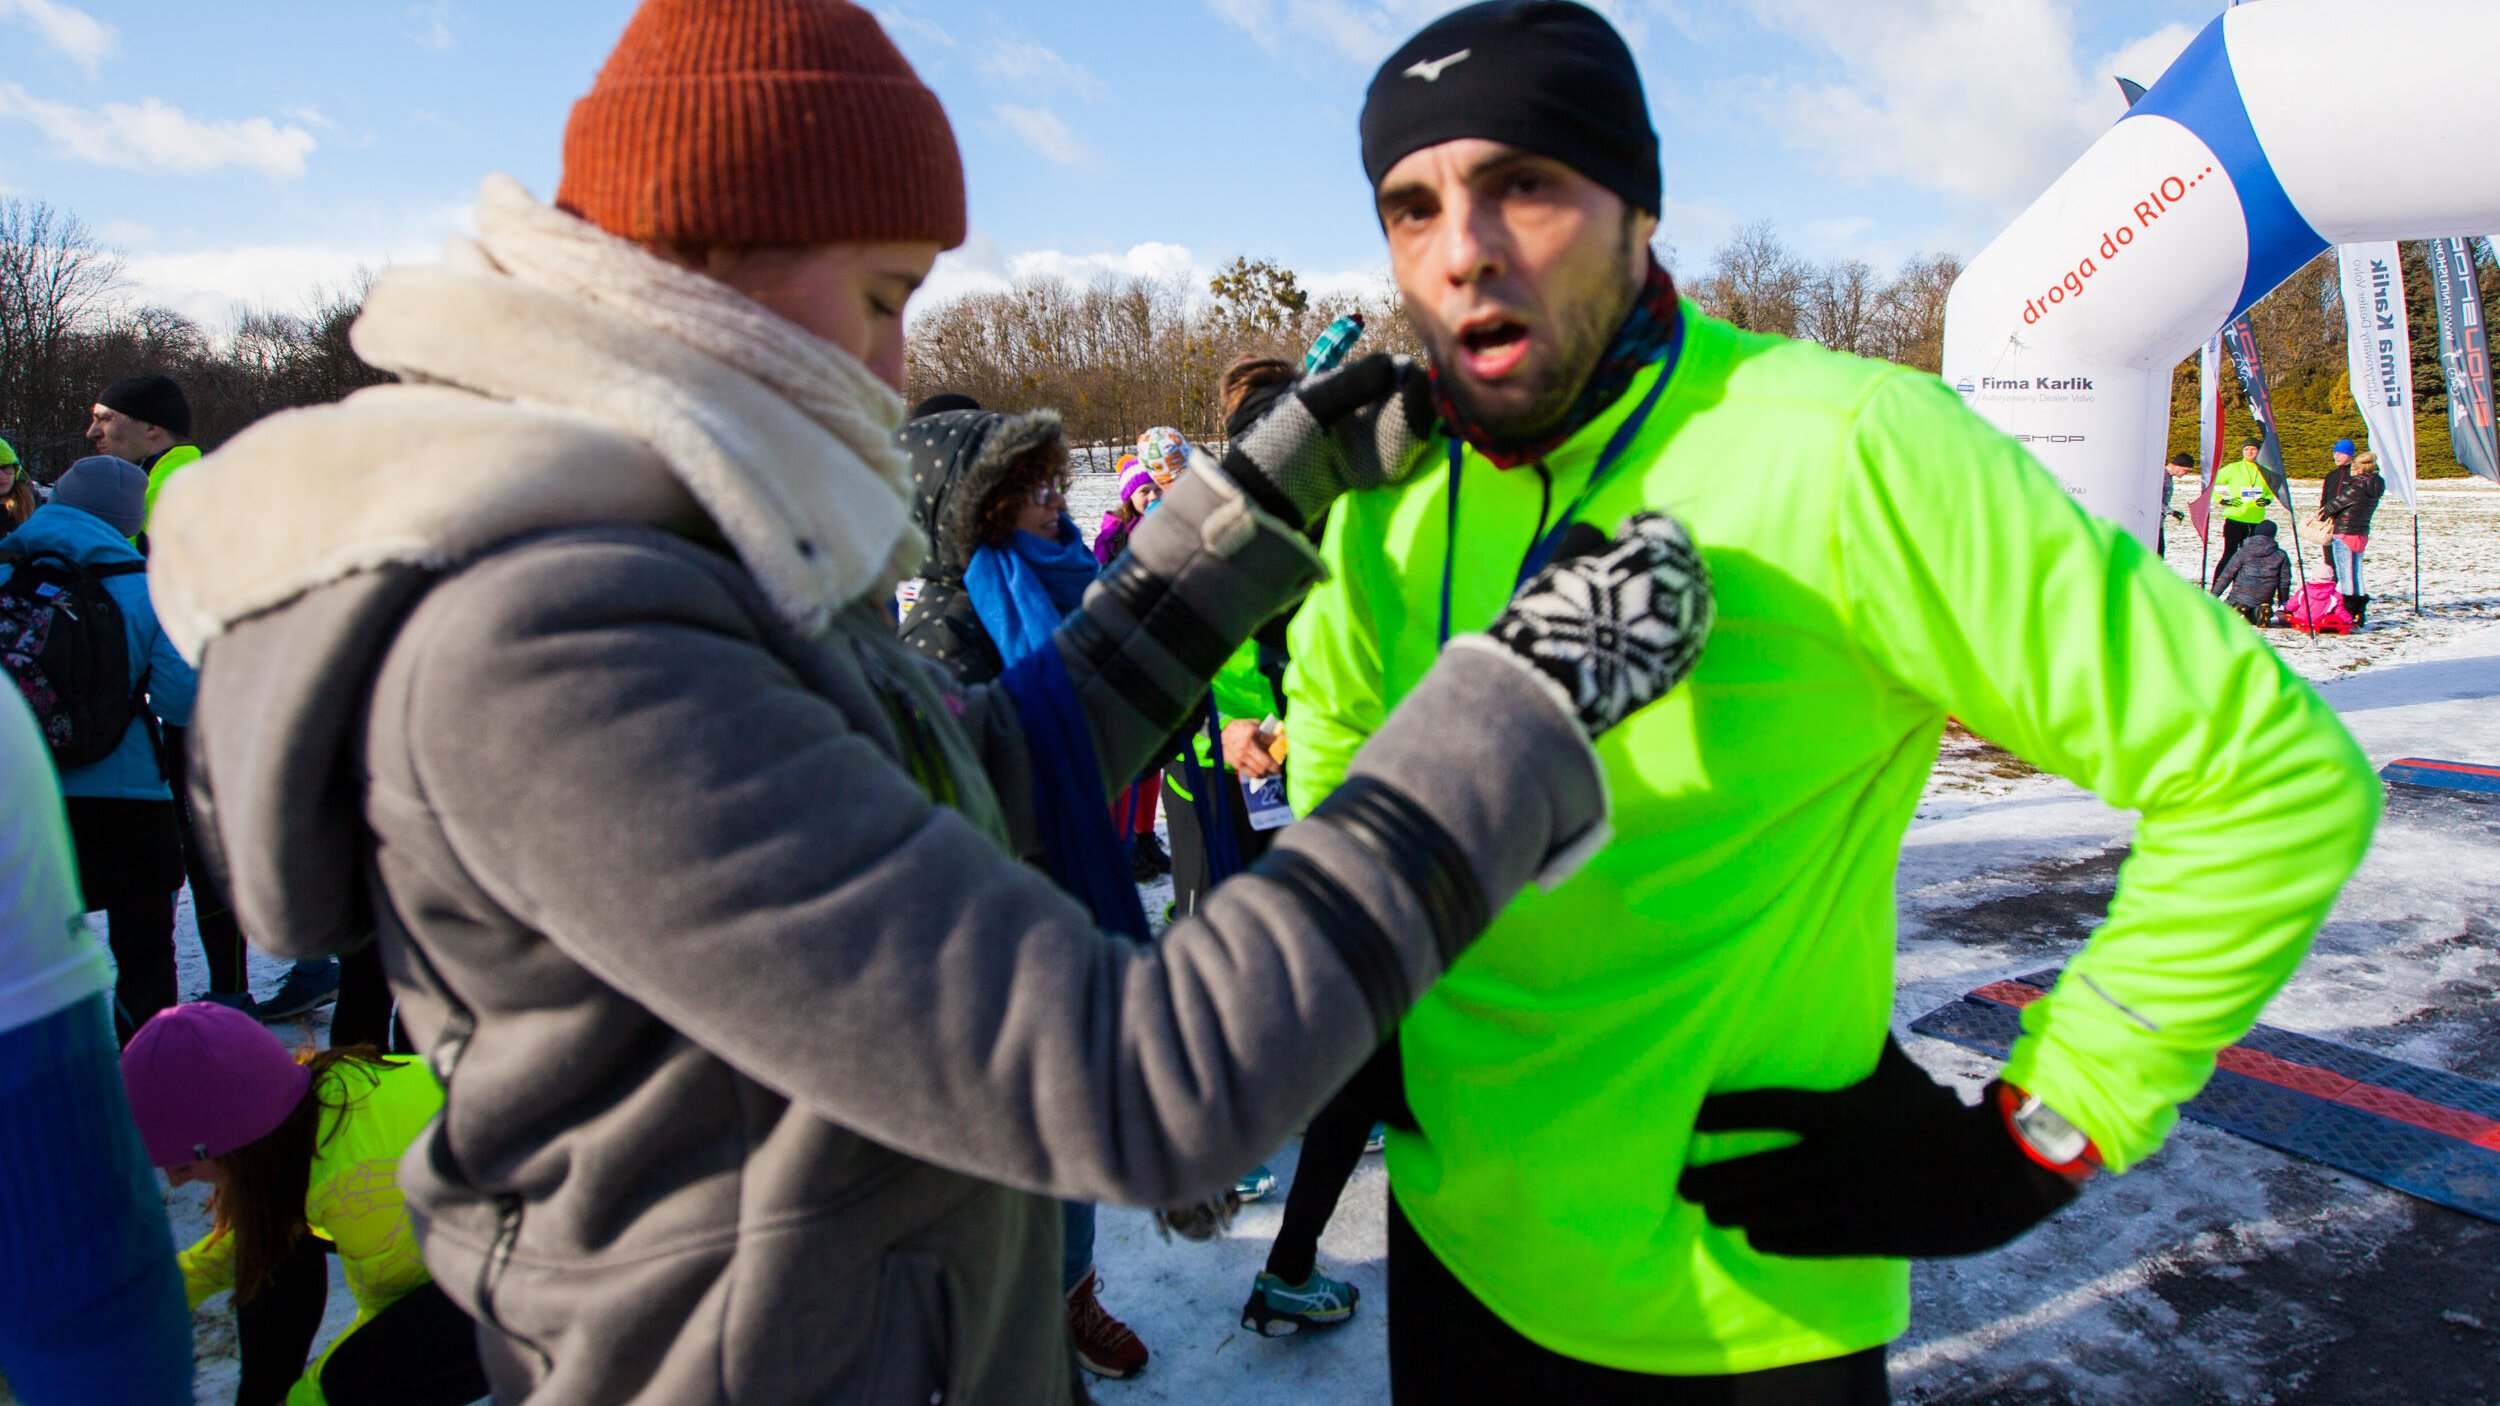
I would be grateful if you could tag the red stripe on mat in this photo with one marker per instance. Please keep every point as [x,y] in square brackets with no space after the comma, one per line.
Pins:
[2309,1079]
[2426,764]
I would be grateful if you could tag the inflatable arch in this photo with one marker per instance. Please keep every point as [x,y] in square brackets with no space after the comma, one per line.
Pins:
[2285,128]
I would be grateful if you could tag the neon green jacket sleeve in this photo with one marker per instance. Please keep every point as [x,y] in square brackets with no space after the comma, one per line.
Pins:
[207,1268]
[1241,691]
[2256,805]
[1334,681]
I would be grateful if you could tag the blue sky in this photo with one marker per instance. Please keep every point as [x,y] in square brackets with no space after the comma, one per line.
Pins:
[256,152]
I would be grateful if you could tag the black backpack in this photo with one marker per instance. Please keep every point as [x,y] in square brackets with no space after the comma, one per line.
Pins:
[63,642]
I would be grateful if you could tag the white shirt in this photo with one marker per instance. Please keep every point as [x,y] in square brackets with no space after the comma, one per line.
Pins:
[48,959]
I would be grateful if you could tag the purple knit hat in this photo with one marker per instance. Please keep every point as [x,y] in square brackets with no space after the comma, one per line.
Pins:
[205,1079]
[1135,479]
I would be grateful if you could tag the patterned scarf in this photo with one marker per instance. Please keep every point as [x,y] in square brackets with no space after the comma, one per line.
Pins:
[1647,331]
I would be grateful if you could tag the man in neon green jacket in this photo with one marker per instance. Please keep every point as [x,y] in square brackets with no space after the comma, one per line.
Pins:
[1570,1220]
[2242,495]
[147,420]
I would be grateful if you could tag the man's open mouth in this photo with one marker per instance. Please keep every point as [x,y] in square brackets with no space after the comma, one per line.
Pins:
[1493,347]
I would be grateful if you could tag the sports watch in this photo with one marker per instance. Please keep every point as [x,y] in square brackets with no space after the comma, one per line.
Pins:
[2045,1136]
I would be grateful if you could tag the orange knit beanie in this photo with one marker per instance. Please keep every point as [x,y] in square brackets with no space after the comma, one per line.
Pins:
[744,122]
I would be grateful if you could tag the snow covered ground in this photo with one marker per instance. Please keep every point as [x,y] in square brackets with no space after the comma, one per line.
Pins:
[2221,1271]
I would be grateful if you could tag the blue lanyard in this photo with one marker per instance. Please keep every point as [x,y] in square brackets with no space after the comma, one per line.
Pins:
[1542,551]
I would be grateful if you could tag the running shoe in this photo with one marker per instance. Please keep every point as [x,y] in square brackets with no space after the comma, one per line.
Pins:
[1104,1344]
[307,988]
[1277,1309]
[1378,1139]
[1255,1184]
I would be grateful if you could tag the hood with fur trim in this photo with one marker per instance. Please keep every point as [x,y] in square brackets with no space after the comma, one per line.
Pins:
[957,459]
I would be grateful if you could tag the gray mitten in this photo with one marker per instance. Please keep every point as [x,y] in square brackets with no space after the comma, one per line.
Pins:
[1362,425]
[1614,624]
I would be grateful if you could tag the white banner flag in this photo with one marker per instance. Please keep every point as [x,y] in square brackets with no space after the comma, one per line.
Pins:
[2379,350]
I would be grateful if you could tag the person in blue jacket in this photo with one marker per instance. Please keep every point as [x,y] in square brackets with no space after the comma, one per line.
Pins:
[121,812]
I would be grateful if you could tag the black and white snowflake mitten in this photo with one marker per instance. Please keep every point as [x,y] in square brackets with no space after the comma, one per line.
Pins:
[1613,623]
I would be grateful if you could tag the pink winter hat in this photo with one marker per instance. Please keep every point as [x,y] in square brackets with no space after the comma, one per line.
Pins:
[205,1079]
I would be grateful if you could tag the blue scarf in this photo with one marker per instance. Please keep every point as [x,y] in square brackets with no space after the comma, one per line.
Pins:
[1023,590]
[1084,856]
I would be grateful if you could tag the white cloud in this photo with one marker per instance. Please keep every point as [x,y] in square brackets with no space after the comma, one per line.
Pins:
[1365,34]
[1256,18]
[1042,130]
[982,266]
[154,136]
[1154,261]
[1984,101]
[2145,60]
[901,24]
[215,286]
[1840,233]
[1032,65]
[82,38]
[435,25]
[126,234]
[313,117]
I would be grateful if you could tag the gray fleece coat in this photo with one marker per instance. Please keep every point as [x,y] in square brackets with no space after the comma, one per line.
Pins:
[764,1056]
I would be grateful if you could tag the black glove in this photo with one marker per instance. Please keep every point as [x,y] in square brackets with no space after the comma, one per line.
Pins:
[1614,624]
[1893,1165]
[1362,425]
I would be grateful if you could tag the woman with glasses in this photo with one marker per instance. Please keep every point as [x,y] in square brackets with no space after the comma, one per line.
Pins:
[1006,565]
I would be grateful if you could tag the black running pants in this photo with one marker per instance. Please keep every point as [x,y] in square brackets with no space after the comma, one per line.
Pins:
[420,1351]
[1331,1148]
[221,936]
[1445,1345]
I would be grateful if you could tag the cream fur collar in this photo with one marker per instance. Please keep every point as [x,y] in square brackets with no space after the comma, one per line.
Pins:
[555,376]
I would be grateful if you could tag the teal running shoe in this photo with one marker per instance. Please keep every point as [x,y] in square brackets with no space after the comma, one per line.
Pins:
[1378,1139]
[1255,1184]
[1277,1309]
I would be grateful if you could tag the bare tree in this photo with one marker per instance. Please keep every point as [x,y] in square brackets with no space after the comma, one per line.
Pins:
[1755,282]
[56,282]
[1909,327]
[1842,304]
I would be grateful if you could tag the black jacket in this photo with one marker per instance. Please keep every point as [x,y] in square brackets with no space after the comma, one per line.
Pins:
[957,458]
[2256,574]
[2350,499]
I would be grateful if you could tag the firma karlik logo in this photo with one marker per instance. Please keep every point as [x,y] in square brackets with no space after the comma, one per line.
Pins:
[1966,388]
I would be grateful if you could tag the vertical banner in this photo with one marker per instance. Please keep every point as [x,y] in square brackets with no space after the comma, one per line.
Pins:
[2465,357]
[2242,341]
[2208,430]
[2379,351]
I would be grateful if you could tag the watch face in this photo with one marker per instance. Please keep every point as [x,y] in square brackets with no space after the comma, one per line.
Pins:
[2050,1135]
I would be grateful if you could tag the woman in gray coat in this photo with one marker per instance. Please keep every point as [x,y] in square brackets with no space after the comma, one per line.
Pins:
[561,666]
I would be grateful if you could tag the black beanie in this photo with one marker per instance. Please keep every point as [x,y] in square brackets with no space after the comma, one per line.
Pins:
[156,400]
[942,402]
[1545,76]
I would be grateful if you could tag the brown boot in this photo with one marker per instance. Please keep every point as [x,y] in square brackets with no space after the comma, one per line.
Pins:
[1104,1344]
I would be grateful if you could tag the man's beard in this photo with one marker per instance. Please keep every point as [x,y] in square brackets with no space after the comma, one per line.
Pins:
[1583,329]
